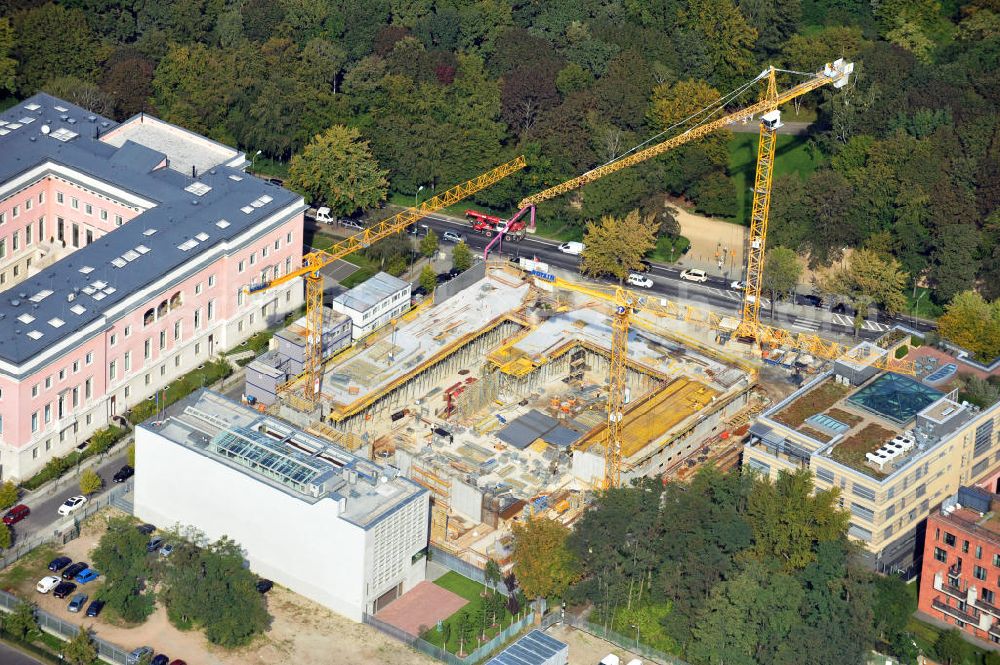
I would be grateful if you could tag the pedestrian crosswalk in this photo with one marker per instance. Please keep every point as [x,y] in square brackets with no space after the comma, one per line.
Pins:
[806,324]
[848,321]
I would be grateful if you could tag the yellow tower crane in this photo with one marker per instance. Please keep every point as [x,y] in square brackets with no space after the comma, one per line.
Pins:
[316,260]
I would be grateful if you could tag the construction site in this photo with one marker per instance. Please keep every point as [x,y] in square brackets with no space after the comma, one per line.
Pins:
[496,400]
[517,392]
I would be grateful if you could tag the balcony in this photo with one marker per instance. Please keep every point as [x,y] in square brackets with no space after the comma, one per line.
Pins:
[954,611]
[988,608]
[955,569]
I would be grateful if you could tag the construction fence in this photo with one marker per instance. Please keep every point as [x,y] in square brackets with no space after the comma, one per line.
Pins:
[619,640]
[479,654]
[108,652]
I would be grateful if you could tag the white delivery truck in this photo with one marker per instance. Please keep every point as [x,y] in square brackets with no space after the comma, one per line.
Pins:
[573,247]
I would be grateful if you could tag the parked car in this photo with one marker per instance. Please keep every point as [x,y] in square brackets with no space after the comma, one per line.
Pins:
[155,544]
[123,474]
[263,586]
[644,266]
[694,275]
[74,570]
[95,608]
[160,659]
[323,215]
[64,589]
[177,661]
[59,563]
[443,277]
[451,236]
[809,299]
[635,279]
[166,550]
[842,308]
[47,583]
[88,575]
[137,655]
[352,224]
[738,285]
[276,181]
[16,514]
[573,247]
[77,603]
[454,272]
[145,529]
[72,504]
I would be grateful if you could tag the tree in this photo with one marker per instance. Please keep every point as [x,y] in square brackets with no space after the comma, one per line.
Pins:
[781,273]
[40,57]
[446,633]
[22,622]
[131,455]
[466,629]
[616,246]
[788,521]
[8,495]
[492,574]
[951,648]
[721,34]
[428,279]
[8,65]
[90,482]
[80,650]
[337,167]
[542,563]
[121,558]
[461,257]
[6,536]
[973,324]
[870,278]
[429,244]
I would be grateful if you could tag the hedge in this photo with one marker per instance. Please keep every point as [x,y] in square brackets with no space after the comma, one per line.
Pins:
[206,375]
[916,341]
[57,466]
[902,351]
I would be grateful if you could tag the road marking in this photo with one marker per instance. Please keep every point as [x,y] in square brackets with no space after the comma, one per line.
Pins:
[877,327]
[843,320]
[806,324]
[733,295]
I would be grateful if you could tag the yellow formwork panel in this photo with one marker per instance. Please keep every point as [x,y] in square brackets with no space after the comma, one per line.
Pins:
[651,419]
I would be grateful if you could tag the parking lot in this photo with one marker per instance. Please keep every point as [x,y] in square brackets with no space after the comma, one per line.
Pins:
[300,630]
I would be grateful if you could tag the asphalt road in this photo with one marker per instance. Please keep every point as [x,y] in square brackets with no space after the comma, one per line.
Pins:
[11,656]
[667,282]
[46,502]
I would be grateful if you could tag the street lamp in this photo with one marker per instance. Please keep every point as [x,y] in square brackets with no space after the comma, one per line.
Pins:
[252,159]
[636,626]
[916,306]
[419,189]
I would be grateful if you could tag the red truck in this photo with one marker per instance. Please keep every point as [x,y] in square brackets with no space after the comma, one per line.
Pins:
[490,224]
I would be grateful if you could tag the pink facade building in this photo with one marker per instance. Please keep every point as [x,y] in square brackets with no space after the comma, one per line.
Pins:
[124,251]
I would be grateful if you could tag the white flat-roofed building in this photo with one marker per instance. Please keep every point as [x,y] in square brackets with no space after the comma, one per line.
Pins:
[333,527]
[374,303]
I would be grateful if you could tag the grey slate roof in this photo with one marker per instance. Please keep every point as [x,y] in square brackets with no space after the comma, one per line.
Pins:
[521,431]
[371,292]
[177,216]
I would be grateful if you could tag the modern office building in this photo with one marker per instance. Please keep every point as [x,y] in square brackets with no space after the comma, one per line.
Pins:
[894,446]
[124,251]
[374,302]
[960,573]
[327,524]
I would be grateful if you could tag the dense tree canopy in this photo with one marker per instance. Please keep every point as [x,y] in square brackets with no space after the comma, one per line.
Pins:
[735,569]
[442,91]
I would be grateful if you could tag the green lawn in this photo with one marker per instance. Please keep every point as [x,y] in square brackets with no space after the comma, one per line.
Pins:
[262,166]
[470,590]
[926,309]
[31,566]
[793,156]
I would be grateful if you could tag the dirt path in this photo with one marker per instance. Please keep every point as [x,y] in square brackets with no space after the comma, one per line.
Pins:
[712,241]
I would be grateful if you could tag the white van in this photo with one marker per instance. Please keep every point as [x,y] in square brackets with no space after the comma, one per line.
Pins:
[323,215]
[572,247]
[610,659]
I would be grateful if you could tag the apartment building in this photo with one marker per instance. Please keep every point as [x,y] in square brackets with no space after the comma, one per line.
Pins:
[894,447]
[960,573]
[124,252]
[329,525]
[374,303]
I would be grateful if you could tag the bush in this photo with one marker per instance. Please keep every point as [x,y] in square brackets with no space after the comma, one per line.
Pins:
[916,342]
[103,439]
[8,495]
[901,351]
